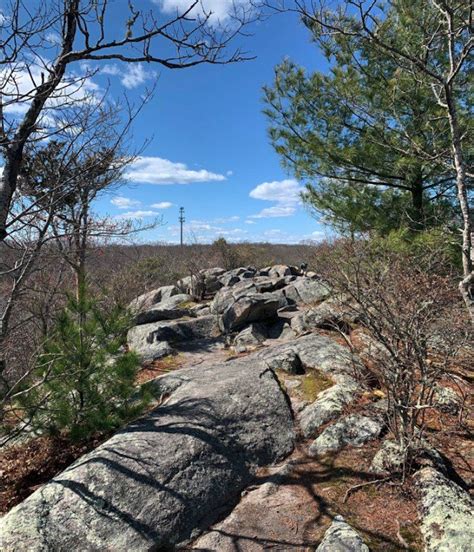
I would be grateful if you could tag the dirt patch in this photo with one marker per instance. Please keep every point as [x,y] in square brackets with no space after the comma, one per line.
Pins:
[25,467]
[296,512]
[159,368]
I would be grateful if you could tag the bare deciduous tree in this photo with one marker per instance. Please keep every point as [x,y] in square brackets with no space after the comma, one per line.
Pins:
[414,327]
[45,49]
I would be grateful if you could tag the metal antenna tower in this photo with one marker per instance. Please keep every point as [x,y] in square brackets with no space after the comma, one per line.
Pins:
[181,222]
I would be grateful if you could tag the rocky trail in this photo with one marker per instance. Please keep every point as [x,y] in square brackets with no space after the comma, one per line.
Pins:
[265,438]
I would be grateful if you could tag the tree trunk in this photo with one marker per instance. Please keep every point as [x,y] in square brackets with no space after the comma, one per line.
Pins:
[416,189]
[466,286]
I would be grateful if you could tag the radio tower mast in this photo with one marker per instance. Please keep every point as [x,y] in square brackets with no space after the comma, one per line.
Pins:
[181,222]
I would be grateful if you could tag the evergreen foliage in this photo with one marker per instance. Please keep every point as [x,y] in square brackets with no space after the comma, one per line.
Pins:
[87,376]
[367,138]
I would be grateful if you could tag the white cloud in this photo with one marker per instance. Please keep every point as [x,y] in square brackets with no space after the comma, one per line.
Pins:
[249,222]
[19,85]
[282,191]
[111,69]
[124,202]
[135,75]
[277,211]
[162,205]
[138,215]
[224,220]
[221,10]
[285,194]
[155,170]
[204,231]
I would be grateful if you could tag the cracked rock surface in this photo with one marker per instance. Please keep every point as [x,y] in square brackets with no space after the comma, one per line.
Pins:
[161,477]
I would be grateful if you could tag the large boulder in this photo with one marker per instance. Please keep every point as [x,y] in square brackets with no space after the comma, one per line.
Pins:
[249,338]
[169,309]
[260,284]
[332,312]
[146,338]
[307,291]
[279,271]
[226,296]
[150,298]
[251,308]
[166,475]
[446,511]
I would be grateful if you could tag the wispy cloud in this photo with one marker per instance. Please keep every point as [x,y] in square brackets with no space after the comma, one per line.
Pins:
[162,205]
[284,193]
[137,215]
[155,170]
[207,231]
[219,10]
[132,75]
[124,202]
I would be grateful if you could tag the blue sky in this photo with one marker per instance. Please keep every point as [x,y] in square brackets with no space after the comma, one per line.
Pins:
[209,151]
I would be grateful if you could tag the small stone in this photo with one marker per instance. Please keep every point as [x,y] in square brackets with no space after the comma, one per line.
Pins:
[341,537]
[354,430]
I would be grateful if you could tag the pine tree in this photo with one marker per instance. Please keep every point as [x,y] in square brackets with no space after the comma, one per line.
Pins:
[87,375]
[364,130]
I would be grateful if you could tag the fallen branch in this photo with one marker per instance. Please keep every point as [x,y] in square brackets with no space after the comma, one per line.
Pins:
[360,485]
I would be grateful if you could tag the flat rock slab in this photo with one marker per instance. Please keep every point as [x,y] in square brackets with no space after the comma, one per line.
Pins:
[166,475]
[146,340]
[277,515]
[447,513]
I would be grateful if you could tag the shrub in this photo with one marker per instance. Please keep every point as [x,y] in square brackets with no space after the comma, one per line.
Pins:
[84,379]
[227,253]
[414,321]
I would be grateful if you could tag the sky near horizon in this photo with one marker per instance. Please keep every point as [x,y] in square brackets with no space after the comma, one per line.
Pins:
[208,149]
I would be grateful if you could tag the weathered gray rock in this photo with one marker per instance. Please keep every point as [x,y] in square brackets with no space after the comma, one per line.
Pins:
[320,353]
[351,431]
[287,360]
[307,290]
[329,405]
[150,298]
[137,342]
[323,354]
[279,271]
[447,400]
[330,313]
[152,484]
[446,510]
[212,279]
[200,310]
[168,309]
[341,537]
[226,296]
[280,330]
[388,459]
[229,280]
[251,308]
[145,339]
[249,338]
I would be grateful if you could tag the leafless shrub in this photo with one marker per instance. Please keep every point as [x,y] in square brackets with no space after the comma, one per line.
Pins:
[415,326]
